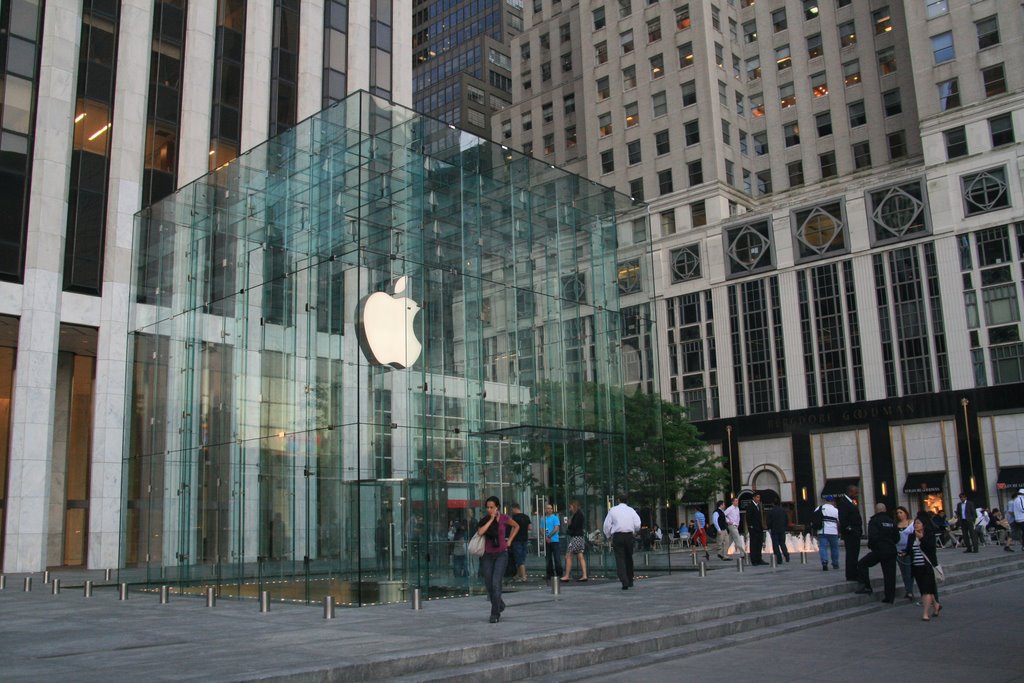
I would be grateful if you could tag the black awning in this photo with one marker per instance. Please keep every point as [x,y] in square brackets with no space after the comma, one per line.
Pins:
[837,487]
[1010,478]
[925,482]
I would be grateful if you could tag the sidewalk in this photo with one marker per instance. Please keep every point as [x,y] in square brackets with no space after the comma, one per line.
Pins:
[67,636]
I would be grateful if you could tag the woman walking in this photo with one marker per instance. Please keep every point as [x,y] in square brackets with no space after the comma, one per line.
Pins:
[495,559]
[921,547]
[577,542]
[905,561]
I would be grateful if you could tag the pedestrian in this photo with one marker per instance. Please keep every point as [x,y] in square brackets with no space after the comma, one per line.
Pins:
[577,541]
[621,525]
[981,526]
[851,528]
[1015,514]
[905,525]
[921,547]
[522,538]
[700,534]
[721,524]
[967,516]
[732,520]
[778,522]
[828,537]
[882,539]
[551,528]
[755,528]
[458,540]
[495,558]
[1002,528]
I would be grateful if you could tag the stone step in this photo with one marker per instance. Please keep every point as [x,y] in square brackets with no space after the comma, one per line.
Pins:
[703,629]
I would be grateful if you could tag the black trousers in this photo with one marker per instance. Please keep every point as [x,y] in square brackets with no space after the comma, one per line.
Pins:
[756,546]
[888,563]
[554,566]
[852,543]
[622,544]
[967,534]
[779,547]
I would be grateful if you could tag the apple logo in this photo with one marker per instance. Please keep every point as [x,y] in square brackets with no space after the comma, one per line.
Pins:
[385,329]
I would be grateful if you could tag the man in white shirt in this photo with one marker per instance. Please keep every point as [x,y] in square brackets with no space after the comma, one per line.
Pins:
[732,519]
[981,526]
[621,526]
[828,537]
[1015,515]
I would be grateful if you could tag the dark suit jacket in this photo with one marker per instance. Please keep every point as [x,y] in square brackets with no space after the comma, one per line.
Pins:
[971,513]
[754,520]
[850,523]
[778,520]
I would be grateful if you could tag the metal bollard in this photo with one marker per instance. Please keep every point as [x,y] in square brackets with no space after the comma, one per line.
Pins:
[556,587]
[87,589]
[693,559]
[417,599]
[739,565]
[328,607]
[264,602]
[106,574]
[803,557]
[122,591]
[165,594]
[28,584]
[55,587]
[703,569]
[211,597]
[647,559]
[46,576]
[774,561]
[3,582]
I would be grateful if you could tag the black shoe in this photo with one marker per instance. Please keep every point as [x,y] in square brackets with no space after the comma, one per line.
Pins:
[824,567]
[495,618]
[968,551]
[625,588]
[889,602]
[1007,548]
[864,590]
[502,608]
[909,596]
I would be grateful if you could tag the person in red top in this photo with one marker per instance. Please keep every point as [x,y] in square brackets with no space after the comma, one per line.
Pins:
[492,565]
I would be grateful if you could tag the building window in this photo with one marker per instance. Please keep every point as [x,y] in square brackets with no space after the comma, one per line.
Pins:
[739,104]
[810,9]
[601,52]
[847,34]
[574,288]
[851,72]
[661,142]
[942,47]
[685,55]
[633,154]
[985,191]
[779,22]
[629,277]
[791,134]
[570,137]
[861,155]
[685,263]
[750,31]
[887,61]
[726,132]
[632,111]
[819,84]
[753,68]
[695,172]
[749,248]
[527,121]
[994,79]
[820,230]
[654,30]
[787,96]
[760,143]
[1001,129]
[657,63]
[604,124]
[599,18]
[1007,364]
[608,161]
[668,222]
[547,112]
[827,161]
[956,142]
[566,62]
[716,19]
[549,144]
[730,173]
[814,47]
[629,77]
[659,104]
[795,170]
[858,117]
[719,56]
[665,181]
[691,132]
[698,214]
[626,41]
[757,105]
[782,58]
[897,141]
[689,91]
[949,94]
[636,189]
[823,121]
[625,8]
[898,212]
[764,182]
[569,104]
[988,32]
[936,8]
[603,88]
[682,17]
[882,20]
[892,103]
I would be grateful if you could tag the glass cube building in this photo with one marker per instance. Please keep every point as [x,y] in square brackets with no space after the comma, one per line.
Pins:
[349,337]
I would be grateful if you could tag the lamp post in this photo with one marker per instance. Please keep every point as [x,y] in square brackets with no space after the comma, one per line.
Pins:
[967,430]
[728,445]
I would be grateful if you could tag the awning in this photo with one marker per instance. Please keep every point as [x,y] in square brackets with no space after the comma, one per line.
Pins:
[837,487]
[925,482]
[1010,478]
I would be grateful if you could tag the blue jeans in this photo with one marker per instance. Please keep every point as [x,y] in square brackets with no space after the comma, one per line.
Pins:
[906,563]
[519,552]
[829,543]
[492,566]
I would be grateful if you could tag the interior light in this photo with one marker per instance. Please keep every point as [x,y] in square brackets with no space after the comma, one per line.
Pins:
[885,489]
[211,152]
[79,118]
[98,133]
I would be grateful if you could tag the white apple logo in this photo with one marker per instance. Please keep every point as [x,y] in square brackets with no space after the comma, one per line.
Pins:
[386,333]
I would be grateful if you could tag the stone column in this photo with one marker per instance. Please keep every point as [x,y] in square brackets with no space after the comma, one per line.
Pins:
[311,58]
[259,22]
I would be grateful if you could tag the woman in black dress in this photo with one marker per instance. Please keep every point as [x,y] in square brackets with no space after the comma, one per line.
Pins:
[577,542]
[921,547]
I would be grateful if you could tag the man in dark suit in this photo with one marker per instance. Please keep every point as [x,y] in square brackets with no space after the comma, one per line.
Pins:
[966,515]
[851,528]
[778,521]
[755,527]
[882,538]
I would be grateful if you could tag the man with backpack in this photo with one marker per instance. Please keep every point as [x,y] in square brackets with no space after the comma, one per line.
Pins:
[826,520]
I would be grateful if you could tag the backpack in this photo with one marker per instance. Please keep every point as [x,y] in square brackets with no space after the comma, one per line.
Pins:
[817,520]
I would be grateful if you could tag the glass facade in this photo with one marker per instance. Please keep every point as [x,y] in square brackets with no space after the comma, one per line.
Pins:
[349,337]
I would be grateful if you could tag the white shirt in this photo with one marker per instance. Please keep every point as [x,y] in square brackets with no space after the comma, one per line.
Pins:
[732,515]
[831,516]
[983,519]
[1017,506]
[621,518]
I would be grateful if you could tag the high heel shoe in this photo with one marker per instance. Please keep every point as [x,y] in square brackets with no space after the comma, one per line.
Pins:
[938,608]
[495,618]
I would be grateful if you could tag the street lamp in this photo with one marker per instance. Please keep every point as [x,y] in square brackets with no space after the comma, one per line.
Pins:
[970,459]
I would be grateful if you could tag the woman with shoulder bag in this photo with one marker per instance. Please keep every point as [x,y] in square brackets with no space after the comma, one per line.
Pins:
[577,542]
[921,547]
[495,558]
